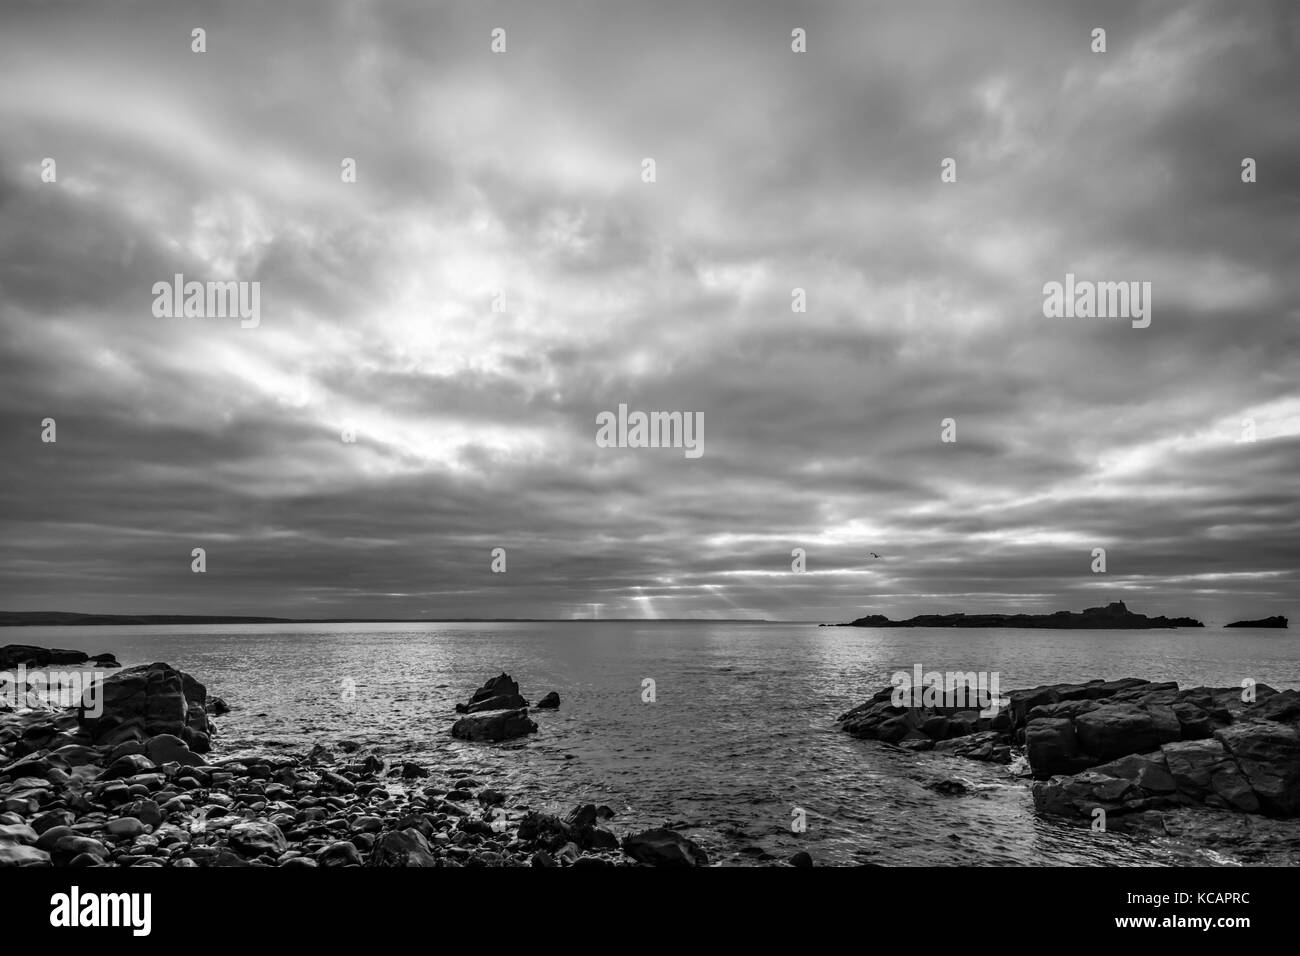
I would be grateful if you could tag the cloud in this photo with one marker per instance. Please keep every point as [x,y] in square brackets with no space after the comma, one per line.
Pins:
[515,180]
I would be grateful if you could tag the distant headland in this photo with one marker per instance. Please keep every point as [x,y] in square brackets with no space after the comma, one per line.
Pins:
[1278,621]
[1114,615]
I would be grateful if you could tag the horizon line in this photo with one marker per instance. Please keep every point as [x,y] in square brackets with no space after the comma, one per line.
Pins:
[100,619]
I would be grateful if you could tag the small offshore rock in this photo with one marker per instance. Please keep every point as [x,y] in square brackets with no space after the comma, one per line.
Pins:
[664,847]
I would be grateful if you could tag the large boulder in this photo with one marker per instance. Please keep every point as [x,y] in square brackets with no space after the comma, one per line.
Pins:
[401,848]
[144,701]
[20,854]
[499,693]
[664,847]
[255,839]
[168,748]
[496,726]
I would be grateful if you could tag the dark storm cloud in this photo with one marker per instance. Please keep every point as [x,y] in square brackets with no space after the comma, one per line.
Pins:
[516,178]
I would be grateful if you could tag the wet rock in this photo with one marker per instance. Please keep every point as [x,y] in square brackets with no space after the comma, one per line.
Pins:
[402,848]
[341,853]
[140,702]
[501,725]
[146,811]
[1283,706]
[1079,795]
[128,766]
[20,854]
[802,859]
[1204,771]
[950,787]
[168,748]
[125,827]
[68,848]
[255,838]
[1052,747]
[18,833]
[664,847]
[543,830]
[568,854]
[1124,728]
[584,815]
[1148,773]
[77,755]
[1268,754]
[550,702]
[337,782]
[989,746]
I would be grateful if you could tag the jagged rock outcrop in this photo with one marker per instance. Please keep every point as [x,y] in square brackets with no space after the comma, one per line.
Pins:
[499,693]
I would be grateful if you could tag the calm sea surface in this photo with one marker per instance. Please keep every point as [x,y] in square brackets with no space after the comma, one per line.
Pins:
[742,730]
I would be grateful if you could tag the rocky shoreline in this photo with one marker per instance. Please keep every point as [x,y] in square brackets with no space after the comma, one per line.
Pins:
[138,784]
[1216,766]
[133,786]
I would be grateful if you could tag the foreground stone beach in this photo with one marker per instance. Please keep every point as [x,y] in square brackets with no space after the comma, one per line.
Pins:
[1219,766]
[133,787]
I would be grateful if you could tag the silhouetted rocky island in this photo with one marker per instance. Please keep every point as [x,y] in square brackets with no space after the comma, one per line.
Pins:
[1278,621]
[1113,615]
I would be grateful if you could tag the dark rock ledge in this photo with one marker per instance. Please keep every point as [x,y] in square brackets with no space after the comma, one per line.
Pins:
[1130,747]
[133,787]
[12,655]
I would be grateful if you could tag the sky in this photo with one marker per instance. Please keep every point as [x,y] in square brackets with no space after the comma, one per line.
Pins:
[501,272]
